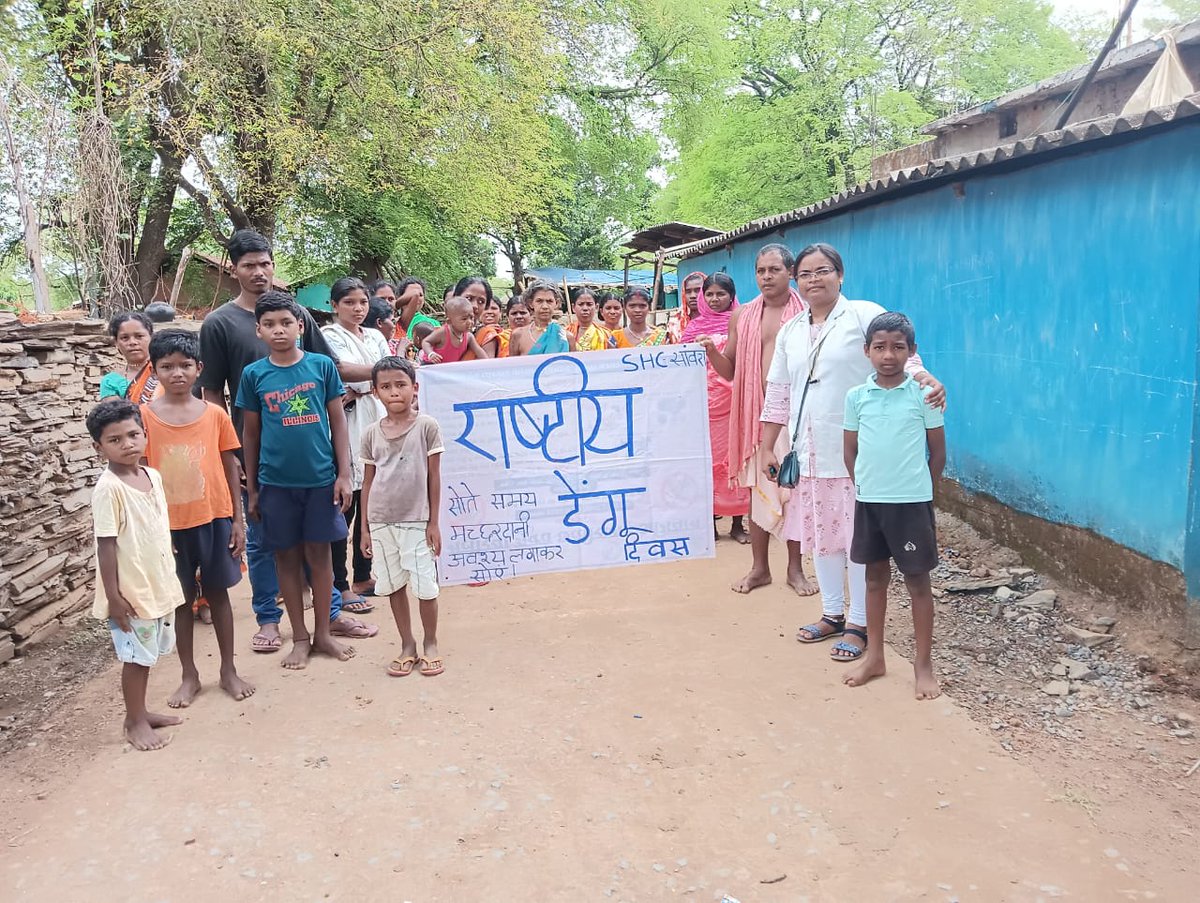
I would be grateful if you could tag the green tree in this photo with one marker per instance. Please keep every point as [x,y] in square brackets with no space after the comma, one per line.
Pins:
[813,90]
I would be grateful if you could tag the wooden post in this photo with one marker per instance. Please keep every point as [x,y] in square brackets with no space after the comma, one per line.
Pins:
[184,259]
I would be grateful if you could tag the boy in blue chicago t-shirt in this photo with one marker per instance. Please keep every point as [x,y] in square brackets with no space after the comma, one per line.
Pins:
[297,451]
[895,447]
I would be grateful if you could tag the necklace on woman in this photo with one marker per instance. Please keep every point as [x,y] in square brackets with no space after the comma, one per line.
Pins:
[637,335]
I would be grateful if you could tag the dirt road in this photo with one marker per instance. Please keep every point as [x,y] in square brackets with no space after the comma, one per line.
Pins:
[629,735]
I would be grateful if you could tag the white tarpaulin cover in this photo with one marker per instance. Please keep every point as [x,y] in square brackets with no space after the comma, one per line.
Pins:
[1167,83]
[572,461]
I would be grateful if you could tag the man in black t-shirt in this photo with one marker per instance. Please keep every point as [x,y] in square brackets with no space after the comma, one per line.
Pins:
[229,342]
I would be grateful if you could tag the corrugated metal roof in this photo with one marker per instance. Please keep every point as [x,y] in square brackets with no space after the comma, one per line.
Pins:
[953,167]
[1143,54]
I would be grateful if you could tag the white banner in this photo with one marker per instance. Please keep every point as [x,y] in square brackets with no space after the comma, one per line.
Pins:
[572,461]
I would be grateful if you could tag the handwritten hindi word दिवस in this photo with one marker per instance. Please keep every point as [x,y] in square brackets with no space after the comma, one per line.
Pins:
[655,548]
[519,414]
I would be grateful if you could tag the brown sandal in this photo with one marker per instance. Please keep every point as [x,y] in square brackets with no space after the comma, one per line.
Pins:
[402,667]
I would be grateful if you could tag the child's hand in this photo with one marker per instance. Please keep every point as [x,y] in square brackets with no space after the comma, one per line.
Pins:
[121,611]
[432,357]
[364,543]
[433,536]
[252,504]
[343,495]
[237,540]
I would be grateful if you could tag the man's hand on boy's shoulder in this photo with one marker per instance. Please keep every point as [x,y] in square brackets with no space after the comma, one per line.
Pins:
[120,611]
[934,391]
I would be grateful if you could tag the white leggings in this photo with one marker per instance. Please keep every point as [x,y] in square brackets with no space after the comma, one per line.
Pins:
[831,578]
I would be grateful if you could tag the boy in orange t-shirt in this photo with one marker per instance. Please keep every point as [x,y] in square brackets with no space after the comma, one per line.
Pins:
[192,444]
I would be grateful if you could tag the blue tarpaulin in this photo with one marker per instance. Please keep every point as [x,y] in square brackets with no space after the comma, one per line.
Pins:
[600,277]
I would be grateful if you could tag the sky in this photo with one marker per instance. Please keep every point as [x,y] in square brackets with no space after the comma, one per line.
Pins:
[1109,9]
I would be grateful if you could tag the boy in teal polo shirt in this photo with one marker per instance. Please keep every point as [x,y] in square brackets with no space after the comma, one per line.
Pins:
[888,430]
[297,450]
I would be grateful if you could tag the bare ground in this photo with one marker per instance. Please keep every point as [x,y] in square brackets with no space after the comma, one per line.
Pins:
[631,735]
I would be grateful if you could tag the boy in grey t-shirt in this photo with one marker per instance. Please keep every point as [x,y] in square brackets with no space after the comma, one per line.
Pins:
[401,495]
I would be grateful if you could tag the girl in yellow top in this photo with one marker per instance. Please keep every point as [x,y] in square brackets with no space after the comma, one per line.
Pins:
[589,335]
[639,333]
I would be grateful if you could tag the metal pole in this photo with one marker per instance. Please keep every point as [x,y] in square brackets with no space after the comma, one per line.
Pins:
[1077,94]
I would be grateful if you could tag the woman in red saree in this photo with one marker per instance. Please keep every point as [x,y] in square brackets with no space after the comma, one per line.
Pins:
[714,307]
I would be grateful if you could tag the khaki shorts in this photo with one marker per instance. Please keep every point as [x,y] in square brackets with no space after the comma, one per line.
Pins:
[401,557]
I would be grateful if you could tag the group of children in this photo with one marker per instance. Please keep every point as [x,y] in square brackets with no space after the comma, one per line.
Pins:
[171,513]
[168,507]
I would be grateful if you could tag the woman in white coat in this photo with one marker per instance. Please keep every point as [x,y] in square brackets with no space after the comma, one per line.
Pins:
[358,349]
[819,357]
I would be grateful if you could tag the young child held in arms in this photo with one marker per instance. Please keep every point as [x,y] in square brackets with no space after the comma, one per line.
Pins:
[297,452]
[137,591]
[191,444]
[401,496]
[888,427]
[449,343]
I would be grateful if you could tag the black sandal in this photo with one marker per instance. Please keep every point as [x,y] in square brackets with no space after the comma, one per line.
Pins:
[851,652]
[838,625]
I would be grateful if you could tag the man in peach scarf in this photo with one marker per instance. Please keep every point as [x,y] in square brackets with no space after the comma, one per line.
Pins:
[745,361]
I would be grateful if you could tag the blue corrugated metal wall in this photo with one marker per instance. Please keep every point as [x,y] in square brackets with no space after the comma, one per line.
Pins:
[1059,305]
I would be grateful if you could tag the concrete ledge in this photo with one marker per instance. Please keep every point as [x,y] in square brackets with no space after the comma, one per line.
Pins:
[1075,556]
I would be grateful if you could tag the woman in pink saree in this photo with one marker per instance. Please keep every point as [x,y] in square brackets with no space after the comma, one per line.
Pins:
[714,307]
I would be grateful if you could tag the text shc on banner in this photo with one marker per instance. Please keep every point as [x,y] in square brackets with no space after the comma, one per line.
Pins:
[572,461]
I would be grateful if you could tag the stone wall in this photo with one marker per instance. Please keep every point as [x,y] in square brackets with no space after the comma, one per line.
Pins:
[49,378]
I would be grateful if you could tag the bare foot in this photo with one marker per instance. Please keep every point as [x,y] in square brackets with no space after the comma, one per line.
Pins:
[232,684]
[801,584]
[297,659]
[140,735]
[740,534]
[327,645]
[870,668]
[752,581]
[927,685]
[188,690]
[204,614]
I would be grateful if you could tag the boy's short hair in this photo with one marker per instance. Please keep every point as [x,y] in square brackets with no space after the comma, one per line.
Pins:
[174,341]
[105,414]
[459,303]
[391,363]
[422,330]
[247,241]
[893,322]
[119,320]
[270,302]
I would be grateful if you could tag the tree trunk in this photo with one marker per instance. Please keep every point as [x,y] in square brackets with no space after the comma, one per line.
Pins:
[30,221]
[152,247]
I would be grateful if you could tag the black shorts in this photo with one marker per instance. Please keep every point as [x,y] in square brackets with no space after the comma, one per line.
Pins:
[206,549]
[903,531]
[293,516]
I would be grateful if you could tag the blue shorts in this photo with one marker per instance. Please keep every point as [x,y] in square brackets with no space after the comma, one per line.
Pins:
[206,549]
[291,516]
[147,640]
